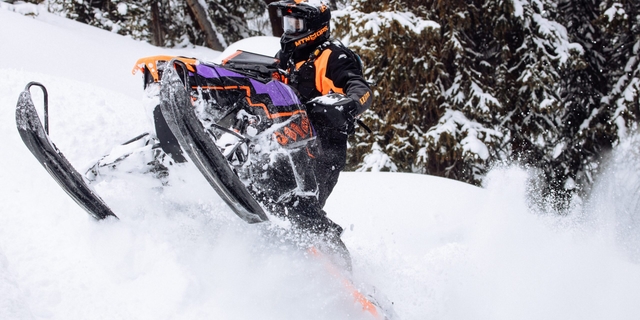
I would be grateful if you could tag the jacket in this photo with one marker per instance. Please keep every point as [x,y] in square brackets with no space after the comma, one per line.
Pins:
[330,67]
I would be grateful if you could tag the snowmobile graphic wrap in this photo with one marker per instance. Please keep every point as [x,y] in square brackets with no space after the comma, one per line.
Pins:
[179,115]
[249,136]
[36,138]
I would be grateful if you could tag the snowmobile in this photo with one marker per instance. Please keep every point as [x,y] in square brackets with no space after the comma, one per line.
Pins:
[234,121]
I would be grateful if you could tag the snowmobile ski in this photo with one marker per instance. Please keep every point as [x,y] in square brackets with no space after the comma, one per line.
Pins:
[36,138]
[197,144]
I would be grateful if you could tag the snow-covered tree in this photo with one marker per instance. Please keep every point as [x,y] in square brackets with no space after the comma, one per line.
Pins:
[465,139]
[459,85]
[482,83]
[588,129]
[212,23]
[620,21]
[399,49]
[539,50]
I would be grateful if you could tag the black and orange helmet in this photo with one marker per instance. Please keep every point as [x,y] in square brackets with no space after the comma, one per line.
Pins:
[305,23]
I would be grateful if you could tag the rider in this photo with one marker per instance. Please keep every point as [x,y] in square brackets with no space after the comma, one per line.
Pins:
[329,81]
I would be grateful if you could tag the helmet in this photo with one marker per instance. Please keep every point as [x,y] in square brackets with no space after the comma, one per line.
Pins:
[305,24]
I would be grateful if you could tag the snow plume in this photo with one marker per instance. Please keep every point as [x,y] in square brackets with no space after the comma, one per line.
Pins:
[536,250]
[615,198]
[486,254]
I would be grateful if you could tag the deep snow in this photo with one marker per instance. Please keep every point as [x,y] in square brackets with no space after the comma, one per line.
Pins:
[437,248]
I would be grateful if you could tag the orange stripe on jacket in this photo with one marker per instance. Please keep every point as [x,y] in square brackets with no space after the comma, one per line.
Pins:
[324,85]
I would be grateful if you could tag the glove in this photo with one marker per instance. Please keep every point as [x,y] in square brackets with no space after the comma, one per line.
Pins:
[333,111]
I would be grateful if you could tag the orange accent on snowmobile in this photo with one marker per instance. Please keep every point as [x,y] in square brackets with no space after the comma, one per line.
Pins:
[282,140]
[290,133]
[151,63]
[251,103]
[235,54]
[310,154]
[367,305]
[298,130]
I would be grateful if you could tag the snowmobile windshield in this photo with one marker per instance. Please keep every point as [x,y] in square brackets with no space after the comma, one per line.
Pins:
[293,25]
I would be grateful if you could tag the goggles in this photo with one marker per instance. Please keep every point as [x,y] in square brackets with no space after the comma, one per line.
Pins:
[292,25]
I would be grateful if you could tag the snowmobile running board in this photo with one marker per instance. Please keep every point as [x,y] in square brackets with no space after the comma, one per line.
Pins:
[177,109]
[36,138]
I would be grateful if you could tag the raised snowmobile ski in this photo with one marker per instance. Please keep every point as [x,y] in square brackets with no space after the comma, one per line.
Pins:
[36,138]
[201,149]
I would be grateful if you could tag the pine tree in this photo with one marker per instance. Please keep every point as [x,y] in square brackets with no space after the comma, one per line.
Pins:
[229,18]
[492,91]
[464,141]
[401,109]
[540,50]
[620,21]
[588,129]
[168,22]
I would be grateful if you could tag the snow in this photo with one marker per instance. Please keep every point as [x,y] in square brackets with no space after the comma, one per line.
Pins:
[557,35]
[616,9]
[455,123]
[377,19]
[437,248]
[122,8]
[486,101]
[377,161]
[518,7]
[558,149]
[265,45]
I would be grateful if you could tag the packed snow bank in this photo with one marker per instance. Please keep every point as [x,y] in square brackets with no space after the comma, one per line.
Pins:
[435,247]
[46,43]
[267,46]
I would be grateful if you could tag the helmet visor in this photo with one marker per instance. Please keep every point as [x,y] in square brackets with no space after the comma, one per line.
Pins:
[292,25]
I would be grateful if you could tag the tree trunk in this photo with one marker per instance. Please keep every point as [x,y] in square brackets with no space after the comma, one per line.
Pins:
[211,36]
[156,28]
